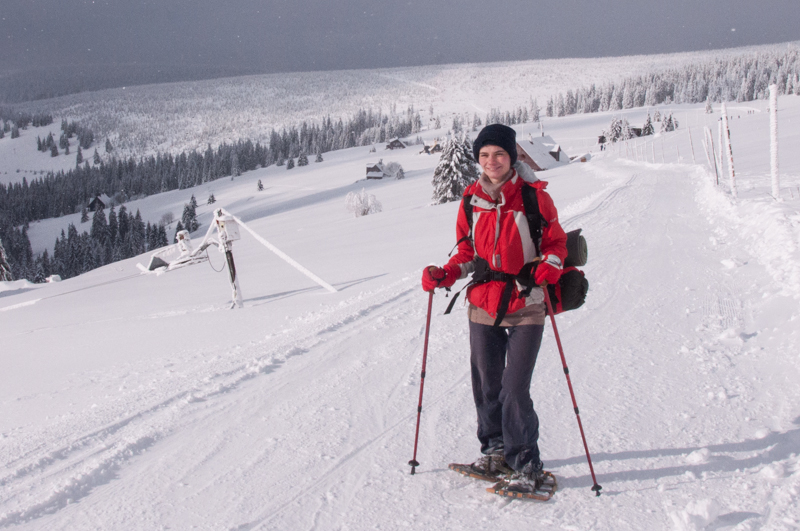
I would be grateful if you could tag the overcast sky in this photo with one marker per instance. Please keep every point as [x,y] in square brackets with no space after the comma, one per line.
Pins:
[296,35]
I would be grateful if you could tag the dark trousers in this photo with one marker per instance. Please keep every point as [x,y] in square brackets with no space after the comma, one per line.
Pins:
[502,362]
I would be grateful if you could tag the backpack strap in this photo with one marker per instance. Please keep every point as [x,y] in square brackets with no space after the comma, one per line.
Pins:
[535,221]
[466,205]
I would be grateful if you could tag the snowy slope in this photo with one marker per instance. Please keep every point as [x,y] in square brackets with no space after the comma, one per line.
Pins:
[176,117]
[136,401]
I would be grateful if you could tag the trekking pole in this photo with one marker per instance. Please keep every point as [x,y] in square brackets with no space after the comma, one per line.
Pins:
[414,464]
[596,488]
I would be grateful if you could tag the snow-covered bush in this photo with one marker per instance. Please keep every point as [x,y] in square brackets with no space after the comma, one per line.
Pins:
[394,169]
[361,203]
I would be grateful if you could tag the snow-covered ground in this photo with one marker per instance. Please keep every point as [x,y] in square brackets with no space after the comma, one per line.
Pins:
[133,401]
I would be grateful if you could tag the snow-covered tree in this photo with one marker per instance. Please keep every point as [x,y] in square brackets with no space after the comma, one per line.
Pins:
[319,157]
[211,199]
[668,124]
[260,186]
[627,134]
[647,128]
[290,164]
[627,97]
[5,269]
[235,169]
[456,170]
[614,132]
[99,230]
[189,217]
[361,203]
[709,108]
[302,160]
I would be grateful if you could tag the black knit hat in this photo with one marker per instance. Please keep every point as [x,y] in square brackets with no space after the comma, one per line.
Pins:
[497,135]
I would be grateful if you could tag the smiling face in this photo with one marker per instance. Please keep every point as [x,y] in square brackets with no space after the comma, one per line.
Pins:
[495,161]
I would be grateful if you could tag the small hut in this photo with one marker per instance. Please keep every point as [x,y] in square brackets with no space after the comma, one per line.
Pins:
[545,152]
[375,171]
[99,201]
[395,144]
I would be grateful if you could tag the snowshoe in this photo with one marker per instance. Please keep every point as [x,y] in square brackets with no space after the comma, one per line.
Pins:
[487,468]
[539,485]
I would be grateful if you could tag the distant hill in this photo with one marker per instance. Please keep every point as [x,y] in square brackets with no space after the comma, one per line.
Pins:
[20,86]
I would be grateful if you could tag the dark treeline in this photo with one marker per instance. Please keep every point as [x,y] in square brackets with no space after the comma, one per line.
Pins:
[117,237]
[365,128]
[24,119]
[122,179]
[61,193]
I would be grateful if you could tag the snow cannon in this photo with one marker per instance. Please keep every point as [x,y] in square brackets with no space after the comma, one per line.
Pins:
[227,227]
[228,232]
[184,241]
[181,254]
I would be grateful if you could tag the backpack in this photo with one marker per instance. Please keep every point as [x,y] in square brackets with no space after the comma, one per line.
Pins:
[567,294]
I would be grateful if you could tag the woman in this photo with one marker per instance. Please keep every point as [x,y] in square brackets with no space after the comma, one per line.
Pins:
[506,310]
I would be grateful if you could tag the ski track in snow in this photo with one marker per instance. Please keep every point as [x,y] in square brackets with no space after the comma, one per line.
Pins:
[672,366]
[93,459]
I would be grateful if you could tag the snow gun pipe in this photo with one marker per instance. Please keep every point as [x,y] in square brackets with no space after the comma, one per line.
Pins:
[596,488]
[414,464]
[283,255]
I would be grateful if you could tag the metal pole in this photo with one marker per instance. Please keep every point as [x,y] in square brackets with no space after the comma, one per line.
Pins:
[237,292]
[414,463]
[596,487]
[773,141]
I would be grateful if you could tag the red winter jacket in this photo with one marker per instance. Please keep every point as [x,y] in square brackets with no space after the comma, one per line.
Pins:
[505,241]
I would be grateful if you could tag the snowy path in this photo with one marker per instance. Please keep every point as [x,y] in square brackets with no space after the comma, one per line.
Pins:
[311,427]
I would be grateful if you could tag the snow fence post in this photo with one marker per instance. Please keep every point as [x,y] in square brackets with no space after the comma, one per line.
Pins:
[713,155]
[721,143]
[773,141]
[726,135]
